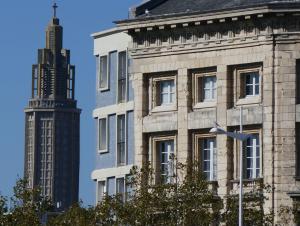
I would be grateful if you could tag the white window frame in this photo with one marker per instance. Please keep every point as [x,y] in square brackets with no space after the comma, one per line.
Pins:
[240,97]
[253,84]
[155,155]
[254,157]
[169,152]
[169,92]
[212,88]
[199,155]
[117,133]
[105,88]
[154,86]
[126,78]
[107,134]
[98,200]
[237,155]
[124,187]
[198,92]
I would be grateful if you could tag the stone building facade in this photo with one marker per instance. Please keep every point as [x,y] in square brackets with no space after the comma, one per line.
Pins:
[113,113]
[52,123]
[196,62]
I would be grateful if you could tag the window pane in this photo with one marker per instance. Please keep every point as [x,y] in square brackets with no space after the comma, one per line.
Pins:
[121,133]
[208,158]
[253,156]
[102,134]
[101,190]
[122,77]
[166,150]
[122,65]
[252,83]
[209,88]
[120,188]
[164,98]
[167,92]
[103,72]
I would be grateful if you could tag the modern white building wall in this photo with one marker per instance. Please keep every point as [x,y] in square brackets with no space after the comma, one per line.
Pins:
[113,113]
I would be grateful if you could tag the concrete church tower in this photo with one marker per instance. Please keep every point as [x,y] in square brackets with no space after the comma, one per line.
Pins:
[52,123]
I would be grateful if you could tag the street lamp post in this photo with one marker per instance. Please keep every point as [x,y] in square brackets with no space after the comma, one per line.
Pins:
[241,137]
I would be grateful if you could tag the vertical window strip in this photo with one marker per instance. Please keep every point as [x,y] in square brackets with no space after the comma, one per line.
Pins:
[209,158]
[120,188]
[166,151]
[101,190]
[121,133]
[253,157]
[103,134]
[122,76]
[103,72]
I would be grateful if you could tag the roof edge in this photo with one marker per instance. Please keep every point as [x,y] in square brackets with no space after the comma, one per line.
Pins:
[107,32]
[271,5]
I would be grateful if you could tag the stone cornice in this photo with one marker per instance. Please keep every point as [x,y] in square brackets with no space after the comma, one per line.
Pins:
[220,35]
[148,23]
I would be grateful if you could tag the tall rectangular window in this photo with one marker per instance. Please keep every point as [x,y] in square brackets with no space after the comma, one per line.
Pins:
[209,88]
[121,133]
[298,81]
[297,136]
[252,157]
[122,75]
[209,158]
[167,92]
[103,72]
[102,134]
[101,190]
[166,154]
[120,188]
[252,83]
[205,87]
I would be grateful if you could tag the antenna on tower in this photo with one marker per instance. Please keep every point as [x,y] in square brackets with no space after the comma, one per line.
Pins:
[54,8]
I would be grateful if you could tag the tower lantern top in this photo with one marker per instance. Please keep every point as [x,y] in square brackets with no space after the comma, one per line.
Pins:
[54,9]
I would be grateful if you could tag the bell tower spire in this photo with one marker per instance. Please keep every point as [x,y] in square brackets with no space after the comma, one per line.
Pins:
[52,122]
[54,9]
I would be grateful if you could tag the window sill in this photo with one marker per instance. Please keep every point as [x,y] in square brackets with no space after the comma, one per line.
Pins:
[102,151]
[249,100]
[254,180]
[103,89]
[164,108]
[206,104]
[297,178]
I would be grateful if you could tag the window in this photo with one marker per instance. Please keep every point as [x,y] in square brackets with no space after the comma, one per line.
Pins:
[163,95]
[121,133]
[209,158]
[120,188]
[167,92]
[297,150]
[209,90]
[252,156]
[122,72]
[102,135]
[103,72]
[205,155]
[166,157]
[247,85]
[101,190]
[252,83]
[205,88]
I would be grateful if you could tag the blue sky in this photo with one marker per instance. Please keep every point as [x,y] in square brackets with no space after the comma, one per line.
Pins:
[23,26]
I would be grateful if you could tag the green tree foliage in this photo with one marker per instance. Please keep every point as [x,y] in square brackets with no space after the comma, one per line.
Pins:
[76,215]
[27,208]
[188,201]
